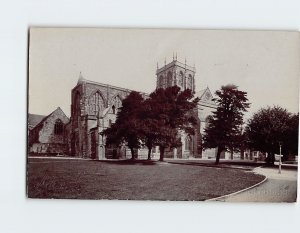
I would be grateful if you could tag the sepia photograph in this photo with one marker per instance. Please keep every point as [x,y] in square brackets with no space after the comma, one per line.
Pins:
[163,114]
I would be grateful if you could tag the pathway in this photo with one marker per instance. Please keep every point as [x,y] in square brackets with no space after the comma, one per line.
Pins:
[277,188]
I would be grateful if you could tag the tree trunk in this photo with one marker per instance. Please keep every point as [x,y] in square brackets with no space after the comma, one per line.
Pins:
[242,154]
[218,155]
[149,153]
[271,158]
[231,154]
[132,153]
[161,153]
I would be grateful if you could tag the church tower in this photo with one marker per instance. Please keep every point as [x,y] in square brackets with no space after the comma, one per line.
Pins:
[176,73]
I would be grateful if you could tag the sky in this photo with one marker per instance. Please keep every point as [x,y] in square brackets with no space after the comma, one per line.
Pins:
[265,64]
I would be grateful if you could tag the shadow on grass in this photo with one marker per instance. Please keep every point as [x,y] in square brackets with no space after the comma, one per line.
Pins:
[220,165]
[228,165]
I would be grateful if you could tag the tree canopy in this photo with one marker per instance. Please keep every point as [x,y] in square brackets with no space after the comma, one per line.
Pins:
[156,120]
[224,126]
[126,129]
[170,110]
[270,127]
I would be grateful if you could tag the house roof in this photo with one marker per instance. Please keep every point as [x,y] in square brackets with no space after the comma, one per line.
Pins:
[34,119]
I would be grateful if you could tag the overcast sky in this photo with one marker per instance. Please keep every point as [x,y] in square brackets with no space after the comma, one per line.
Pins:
[263,63]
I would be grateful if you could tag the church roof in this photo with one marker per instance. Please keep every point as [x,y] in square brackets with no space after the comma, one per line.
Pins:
[34,119]
[200,93]
[205,96]
[82,80]
[45,118]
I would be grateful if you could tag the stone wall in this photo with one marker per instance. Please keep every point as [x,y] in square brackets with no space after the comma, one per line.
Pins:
[44,139]
[84,120]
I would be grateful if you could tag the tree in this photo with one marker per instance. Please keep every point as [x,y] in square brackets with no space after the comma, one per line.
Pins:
[154,121]
[126,129]
[291,136]
[224,126]
[270,127]
[149,128]
[167,112]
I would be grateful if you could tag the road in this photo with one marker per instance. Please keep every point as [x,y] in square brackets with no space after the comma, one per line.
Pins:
[277,188]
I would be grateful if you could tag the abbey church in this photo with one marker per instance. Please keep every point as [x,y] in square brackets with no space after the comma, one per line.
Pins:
[94,108]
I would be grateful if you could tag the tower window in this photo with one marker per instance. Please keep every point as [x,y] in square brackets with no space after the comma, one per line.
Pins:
[190,82]
[113,109]
[169,79]
[58,127]
[180,81]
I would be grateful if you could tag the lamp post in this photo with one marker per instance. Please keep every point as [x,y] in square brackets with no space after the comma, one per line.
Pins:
[279,171]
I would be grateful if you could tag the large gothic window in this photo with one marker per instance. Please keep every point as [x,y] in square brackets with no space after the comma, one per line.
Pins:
[96,104]
[190,82]
[180,79]
[58,127]
[169,79]
[188,142]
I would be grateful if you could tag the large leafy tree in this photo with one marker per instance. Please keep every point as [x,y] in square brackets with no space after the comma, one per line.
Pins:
[126,129]
[149,127]
[167,112]
[154,121]
[224,126]
[291,137]
[270,127]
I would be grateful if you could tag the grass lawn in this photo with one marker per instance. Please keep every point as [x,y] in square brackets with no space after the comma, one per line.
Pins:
[82,179]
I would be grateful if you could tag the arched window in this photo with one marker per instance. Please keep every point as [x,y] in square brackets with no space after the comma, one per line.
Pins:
[169,79]
[58,127]
[180,79]
[188,142]
[113,109]
[96,104]
[189,82]
[117,102]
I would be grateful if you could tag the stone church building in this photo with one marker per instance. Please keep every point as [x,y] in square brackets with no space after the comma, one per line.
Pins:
[94,107]
[47,134]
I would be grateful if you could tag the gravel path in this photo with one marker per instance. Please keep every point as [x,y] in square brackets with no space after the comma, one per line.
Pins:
[278,188]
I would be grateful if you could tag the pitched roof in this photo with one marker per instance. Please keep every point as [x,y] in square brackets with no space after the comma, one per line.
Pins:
[46,117]
[200,93]
[34,119]
[82,80]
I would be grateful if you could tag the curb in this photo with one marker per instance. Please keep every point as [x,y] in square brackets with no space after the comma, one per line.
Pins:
[240,191]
